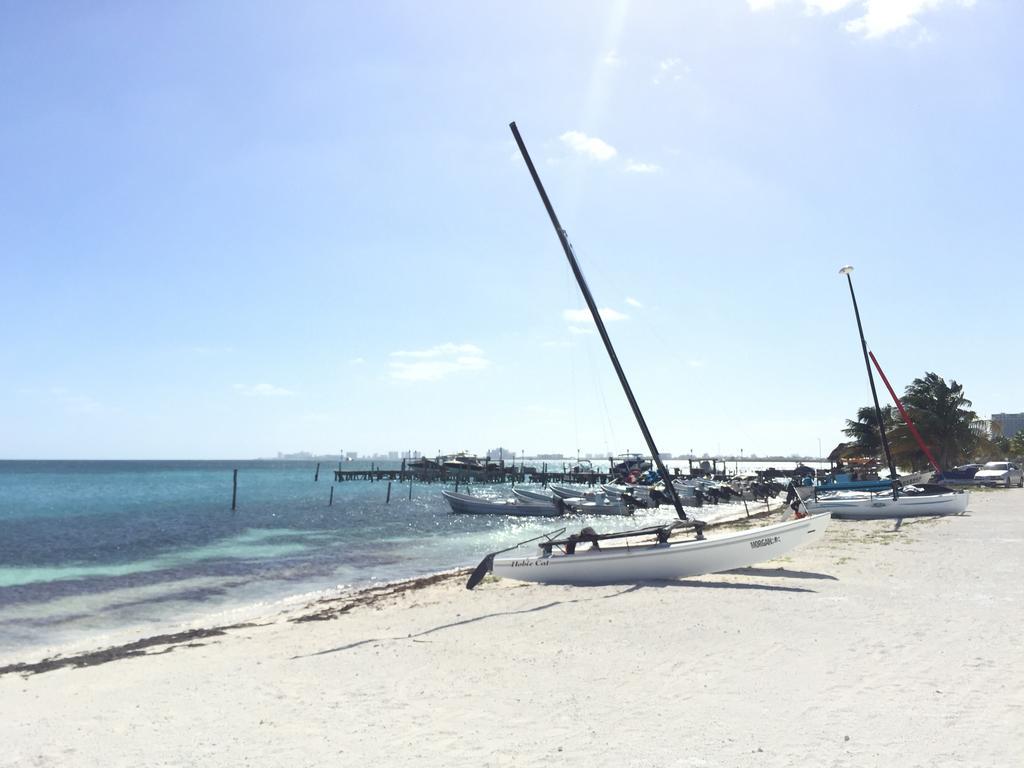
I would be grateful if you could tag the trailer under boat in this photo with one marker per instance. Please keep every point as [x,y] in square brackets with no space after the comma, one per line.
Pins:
[651,554]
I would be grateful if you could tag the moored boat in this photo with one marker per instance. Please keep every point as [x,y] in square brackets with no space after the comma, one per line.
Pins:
[528,495]
[580,505]
[463,504]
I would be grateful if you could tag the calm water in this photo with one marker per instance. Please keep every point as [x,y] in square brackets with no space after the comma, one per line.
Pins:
[100,549]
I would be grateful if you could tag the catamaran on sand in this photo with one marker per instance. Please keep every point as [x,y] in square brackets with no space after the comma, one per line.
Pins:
[917,500]
[646,553]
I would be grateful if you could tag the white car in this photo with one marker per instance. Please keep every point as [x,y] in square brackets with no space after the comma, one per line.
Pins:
[1000,473]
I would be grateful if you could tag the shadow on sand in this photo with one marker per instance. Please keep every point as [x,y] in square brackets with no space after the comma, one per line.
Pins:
[784,573]
[689,583]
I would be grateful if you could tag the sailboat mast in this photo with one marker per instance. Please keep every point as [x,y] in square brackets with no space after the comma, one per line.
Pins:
[588,297]
[871,380]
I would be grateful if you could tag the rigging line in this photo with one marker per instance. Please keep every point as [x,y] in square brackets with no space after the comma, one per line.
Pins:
[572,372]
[606,340]
[597,377]
[905,415]
[607,424]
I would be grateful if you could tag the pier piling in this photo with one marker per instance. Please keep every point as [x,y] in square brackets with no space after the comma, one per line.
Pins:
[234,489]
[388,500]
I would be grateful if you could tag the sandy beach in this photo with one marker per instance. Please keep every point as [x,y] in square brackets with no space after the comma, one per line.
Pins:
[873,647]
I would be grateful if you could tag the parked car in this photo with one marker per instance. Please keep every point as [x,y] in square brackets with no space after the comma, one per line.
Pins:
[1000,473]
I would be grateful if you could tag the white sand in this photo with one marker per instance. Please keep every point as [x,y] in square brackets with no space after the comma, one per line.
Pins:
[872,648]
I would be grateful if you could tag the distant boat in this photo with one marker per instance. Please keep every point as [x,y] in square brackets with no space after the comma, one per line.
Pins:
[626,464]
[652,554]
[581,505]
[462,504]
[563,492]
[527,495]
[423,463]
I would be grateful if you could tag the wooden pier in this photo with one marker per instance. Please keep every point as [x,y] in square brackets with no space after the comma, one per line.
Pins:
[512,475]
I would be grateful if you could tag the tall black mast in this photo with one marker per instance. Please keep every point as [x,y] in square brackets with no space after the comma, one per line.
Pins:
[567,247]
[871,380]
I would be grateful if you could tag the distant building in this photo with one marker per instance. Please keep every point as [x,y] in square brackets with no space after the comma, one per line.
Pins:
[1010,423]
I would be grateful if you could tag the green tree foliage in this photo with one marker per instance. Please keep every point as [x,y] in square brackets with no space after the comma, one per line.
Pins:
[867,441]
[1017,445]
[943,416]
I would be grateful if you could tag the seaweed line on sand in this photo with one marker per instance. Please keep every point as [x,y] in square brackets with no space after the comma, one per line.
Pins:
[141,647]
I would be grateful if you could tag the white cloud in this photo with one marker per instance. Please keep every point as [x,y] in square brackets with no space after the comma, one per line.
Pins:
[878,17]
[262,390]
[591,146]
[438,362]
[633,302]
[885,16]
[670,69]
[695,363]
[583,315]
[612,58]
[825,7]
[357,361]
[634,167]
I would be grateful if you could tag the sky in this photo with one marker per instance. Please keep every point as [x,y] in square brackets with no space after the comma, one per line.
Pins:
[232,229]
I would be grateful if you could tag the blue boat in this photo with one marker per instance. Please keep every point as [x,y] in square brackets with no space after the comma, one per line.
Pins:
[843,481]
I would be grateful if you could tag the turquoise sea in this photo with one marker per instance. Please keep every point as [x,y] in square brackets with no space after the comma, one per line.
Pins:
[98,549]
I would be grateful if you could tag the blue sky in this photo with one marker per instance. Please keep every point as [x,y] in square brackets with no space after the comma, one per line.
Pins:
[230,229]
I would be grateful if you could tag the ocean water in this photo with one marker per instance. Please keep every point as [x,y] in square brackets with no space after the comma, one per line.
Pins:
[109,550]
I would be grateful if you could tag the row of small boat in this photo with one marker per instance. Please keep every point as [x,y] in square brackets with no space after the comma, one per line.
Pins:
[524,503]
[607,499]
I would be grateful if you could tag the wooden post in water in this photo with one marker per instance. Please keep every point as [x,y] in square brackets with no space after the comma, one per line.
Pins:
[234,489]
[388,499]
[330,503]
[410,487]
[316,475]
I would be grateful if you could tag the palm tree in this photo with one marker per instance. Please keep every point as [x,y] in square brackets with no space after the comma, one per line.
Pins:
[867,441]
[943,417]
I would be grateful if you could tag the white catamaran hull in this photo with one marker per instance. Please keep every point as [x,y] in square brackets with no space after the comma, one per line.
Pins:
[884,507]
[674,560]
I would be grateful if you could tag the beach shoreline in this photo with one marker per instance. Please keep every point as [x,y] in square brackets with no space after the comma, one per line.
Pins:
[298,608]
[872,647]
